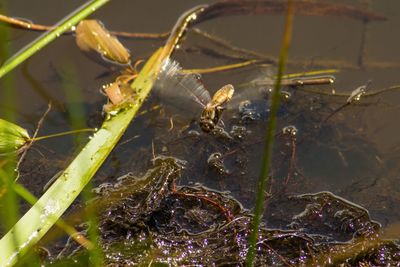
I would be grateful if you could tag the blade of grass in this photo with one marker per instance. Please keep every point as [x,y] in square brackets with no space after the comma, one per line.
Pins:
[72,91]
[8,199]
[71,231]
[41,217]
[267,157]
[47,37]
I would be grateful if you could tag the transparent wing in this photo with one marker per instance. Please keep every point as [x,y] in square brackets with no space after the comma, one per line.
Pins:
[256,90]
[177,88]
[252,94]
[251,98]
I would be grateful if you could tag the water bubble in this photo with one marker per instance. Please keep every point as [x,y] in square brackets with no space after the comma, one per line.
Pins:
[238,132]
[290,130]
[285,96]
[248,111]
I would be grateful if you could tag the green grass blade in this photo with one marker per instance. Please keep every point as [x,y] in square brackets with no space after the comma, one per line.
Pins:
[47,37]
[267,157]
[41,217]
[10,210]
[73,93]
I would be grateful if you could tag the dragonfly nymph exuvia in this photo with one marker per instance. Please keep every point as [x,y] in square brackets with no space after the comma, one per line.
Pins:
[172,84]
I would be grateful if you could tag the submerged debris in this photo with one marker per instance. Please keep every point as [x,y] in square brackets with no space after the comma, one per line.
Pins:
[215,162]
[248,111]
[147,220]
[239,132]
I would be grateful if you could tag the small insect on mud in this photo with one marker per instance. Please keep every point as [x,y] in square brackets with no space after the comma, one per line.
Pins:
[213,110]
[173,86]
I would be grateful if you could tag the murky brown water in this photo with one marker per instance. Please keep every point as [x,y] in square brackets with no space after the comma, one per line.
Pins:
[353,155]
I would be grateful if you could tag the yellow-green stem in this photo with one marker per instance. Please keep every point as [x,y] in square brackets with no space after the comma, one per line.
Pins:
[62,134]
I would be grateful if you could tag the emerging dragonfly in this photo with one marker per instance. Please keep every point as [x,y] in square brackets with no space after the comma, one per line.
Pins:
[184,85]
[213,109]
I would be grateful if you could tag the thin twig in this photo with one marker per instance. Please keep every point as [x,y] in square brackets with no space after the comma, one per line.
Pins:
[292,161]
[363,45]
[171,122]
[23,24]
[30,142]
[128,140]
[224,44]
[364,34]
[221,68]
[370,94]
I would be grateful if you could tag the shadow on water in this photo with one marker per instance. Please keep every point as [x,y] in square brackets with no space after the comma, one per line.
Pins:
[195,189]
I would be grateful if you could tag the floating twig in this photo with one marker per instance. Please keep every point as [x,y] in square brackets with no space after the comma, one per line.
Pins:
[220,68]
[29,143]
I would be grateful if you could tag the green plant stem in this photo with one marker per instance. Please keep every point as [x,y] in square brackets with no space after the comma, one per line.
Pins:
[62,134]
[47,37]
[267,157]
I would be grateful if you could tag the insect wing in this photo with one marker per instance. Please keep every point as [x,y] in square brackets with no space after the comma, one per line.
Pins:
[181,90]
[195,89]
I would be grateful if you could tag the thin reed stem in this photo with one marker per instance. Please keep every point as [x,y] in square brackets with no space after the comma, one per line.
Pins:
[267,157]
[63,133]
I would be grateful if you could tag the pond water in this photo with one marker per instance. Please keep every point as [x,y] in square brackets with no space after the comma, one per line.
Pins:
[353,154]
